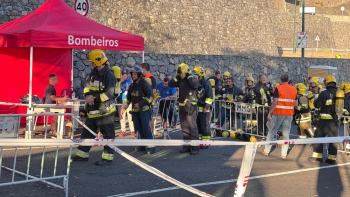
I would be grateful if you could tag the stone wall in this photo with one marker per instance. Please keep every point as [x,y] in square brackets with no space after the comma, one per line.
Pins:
[240,67]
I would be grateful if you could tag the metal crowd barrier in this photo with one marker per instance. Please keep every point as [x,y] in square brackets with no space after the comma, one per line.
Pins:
[344,147]
[14,168]
[241,119]
[165,117]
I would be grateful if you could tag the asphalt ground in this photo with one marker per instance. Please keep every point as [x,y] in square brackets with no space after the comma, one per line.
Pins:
[214,170]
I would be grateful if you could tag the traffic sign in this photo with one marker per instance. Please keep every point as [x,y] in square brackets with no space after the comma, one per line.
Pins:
[82,6]
[302,39]
[317,38]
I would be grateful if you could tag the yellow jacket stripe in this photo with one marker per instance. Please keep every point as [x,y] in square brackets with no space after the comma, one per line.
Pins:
[104,97]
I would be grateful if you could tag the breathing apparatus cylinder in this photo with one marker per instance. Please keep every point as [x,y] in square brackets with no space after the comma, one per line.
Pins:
[116,71]
[339,102]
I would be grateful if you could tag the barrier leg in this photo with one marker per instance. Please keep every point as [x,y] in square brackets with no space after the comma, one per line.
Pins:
[246,167]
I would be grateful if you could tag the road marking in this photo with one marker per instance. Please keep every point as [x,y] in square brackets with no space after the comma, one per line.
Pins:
[229,181]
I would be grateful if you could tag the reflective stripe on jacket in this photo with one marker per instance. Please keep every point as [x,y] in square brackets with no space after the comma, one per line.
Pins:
[285,101]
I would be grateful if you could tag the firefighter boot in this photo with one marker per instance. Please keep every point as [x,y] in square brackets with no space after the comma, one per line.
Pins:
[151,150]
[185,149]
[194,150]
[103,162]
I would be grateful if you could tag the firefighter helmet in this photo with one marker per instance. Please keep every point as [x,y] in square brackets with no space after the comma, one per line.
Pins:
[345,86]
[212,82]
[199,71]
[97,56]
[330,79]
[314,80]
[301,88]
[183,68]
[227,74]
[137,70]
[249,79]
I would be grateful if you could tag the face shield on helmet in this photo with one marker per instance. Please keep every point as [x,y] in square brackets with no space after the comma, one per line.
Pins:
[183,69]
[97,56]
[199,71]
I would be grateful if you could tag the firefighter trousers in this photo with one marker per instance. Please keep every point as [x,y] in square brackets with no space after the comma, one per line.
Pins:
[188,124]
[105,126]
[203,120]
[326,128]
[141,122]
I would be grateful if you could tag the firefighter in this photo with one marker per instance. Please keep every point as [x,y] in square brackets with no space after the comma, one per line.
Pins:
[328,123]
[188,87]
[100,106]
[315,89]
[225,76]
[303,115]
[345,86]
[262,97]
[248,90]
[230,94]
[204,105]
[218,86]
[140,96]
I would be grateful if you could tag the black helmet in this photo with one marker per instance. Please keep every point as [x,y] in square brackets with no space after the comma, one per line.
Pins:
[137,70]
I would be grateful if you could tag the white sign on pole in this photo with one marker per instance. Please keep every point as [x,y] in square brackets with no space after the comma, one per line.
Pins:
[82,6]
[302,39]
[317,38]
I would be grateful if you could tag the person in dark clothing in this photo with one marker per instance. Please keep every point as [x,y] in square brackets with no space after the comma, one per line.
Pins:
[100,106]
[187,101]
[328,124]
[50,91]
[230,93]
[204,106]
[140,96]
[262,97]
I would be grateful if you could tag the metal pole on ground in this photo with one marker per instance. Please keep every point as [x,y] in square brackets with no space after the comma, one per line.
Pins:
[303,26]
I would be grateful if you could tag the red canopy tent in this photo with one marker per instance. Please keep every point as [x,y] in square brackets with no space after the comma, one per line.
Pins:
[42,42]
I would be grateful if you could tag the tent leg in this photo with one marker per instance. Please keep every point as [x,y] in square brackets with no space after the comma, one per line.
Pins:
[143,56]
[30,124]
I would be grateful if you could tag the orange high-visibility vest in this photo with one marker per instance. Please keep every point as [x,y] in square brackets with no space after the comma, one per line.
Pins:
[285,101]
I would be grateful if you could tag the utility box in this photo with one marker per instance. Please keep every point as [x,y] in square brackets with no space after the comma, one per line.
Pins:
[321,72]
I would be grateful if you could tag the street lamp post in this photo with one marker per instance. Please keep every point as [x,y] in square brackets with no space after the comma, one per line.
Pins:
[342,12]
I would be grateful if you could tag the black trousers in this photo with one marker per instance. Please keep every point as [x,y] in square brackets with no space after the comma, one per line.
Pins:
[166,109]
[106,127]
[188,124]
[326,128]
[203,120]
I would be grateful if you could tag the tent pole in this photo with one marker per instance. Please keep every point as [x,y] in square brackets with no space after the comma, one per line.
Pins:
[71,74]
[29,130]
[143,56]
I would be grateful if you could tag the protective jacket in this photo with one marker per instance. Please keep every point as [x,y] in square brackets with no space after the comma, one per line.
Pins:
[262,94]
[140,93]
[101,84]
[207,99]
[303,109]
[326,102]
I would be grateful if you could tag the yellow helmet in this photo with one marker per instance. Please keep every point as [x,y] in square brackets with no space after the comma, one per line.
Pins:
[329,79]
[345,86]
[212,82]
[183,68]
[250,79]
[314,80]
[97,56]
[199,71]
[301,88]
[227,74]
